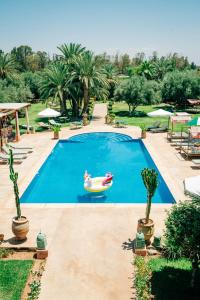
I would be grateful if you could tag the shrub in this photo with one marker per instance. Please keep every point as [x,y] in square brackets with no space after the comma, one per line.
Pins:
[178,86]
[182,235]
[142,279]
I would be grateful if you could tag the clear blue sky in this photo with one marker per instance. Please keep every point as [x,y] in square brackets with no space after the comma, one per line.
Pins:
[106,25]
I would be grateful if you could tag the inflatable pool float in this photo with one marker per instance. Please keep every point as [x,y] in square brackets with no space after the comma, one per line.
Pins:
[96,185]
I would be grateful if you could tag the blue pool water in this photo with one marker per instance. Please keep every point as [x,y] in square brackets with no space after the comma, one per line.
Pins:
[60,179]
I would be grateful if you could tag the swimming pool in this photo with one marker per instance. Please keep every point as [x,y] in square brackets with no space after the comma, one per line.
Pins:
[60,179]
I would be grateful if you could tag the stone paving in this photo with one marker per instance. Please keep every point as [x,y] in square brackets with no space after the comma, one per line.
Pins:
[85,242]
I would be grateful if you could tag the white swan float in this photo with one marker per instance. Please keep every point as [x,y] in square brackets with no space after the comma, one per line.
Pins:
[97,184]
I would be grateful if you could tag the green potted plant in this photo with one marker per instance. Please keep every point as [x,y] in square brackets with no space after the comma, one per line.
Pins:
[143,131]
[56,129]
[146,225]
[20,224]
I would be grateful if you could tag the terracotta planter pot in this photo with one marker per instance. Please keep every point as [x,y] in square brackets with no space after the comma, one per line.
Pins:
[20,227]
[56,135]
[146,228]
[143,135]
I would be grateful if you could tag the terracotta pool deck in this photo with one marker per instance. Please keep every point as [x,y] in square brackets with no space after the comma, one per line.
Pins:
[85,242]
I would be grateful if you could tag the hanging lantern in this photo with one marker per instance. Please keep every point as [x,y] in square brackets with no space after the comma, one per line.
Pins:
[157,241]
[139,241]
[41,241]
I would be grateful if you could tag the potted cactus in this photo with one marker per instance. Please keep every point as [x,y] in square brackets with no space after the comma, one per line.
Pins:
[56,129]
[146,225]
[20,224]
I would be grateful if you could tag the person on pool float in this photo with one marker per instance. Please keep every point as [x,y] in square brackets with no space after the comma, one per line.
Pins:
[109,178]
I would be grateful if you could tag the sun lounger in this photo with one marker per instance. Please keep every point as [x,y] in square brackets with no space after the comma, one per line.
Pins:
[192,185]
[43,125]
[196,162]
[14,146]
[120,124]
[5,158]
[177,135]
[54,123]
[15,152]
[24,126]
[190,151]
[164,128]
[153,126]
[76,125]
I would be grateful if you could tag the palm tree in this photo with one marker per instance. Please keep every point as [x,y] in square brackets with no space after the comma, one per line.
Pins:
[90,75]
[71,52]
[161,67]
[55,83]
[146,69]
[110,72]
[7,66]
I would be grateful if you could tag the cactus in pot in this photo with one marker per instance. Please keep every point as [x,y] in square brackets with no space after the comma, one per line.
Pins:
[150,180]
[20,224]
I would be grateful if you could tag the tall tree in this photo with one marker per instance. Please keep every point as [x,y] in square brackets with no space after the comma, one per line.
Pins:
[55,82]
[20,55]
[110,72]
[87,71]
[146,69]
[71,52]
[7,65]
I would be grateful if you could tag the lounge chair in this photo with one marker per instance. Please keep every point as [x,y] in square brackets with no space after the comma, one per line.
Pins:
[15,152]
[54,123]
[76,125]
[14,146]
[196,162]
[153,126]
[190,151]
[192,185]
[24,126]
[177,136]
[5,158]
[164,128]
[120,124]
[43,125]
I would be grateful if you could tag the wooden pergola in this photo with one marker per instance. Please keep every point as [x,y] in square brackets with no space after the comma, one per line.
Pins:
[7,109]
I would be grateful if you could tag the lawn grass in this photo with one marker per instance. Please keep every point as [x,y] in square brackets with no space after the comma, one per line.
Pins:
[171,279]
[13,277]
[34,119]
[120,109]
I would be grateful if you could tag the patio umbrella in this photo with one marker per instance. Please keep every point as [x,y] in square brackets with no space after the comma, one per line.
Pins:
[160,113]
[194,122]
[49,113]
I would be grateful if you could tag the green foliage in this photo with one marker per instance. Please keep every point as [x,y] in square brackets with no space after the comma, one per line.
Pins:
[110,108]
[13,277]
[5,252]
[56,128]
[14,178]
[14,93]
[182,235]
[7,65]
[35,287]
[131,91]
[178,86]
[31,80]
[142,279]
[150,179]
[170,279]
[151,92]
